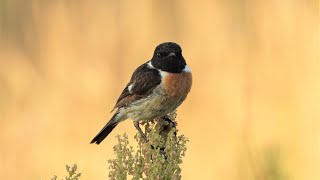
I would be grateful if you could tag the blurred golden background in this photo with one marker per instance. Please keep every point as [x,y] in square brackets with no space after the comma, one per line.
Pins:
[253,111]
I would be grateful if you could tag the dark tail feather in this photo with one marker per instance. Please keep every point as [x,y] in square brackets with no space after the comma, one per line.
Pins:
[106,130]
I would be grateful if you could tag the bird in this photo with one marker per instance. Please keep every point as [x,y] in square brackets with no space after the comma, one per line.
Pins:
[156,88]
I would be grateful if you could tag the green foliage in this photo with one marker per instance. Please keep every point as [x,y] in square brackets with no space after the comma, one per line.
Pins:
[265,164]
[72,173]
[159,158]
[272,166]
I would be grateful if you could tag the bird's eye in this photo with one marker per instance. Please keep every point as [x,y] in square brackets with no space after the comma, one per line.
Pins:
[161,54]
[179,54]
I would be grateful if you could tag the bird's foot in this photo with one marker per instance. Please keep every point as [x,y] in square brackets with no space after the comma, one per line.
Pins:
[171,123]
[168,125]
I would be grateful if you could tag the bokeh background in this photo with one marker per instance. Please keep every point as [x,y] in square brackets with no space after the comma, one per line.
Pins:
[253,111]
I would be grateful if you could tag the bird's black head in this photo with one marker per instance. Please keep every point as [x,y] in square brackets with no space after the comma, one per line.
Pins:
[168,57]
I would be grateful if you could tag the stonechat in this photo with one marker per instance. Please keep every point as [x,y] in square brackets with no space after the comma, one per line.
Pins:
[156,88]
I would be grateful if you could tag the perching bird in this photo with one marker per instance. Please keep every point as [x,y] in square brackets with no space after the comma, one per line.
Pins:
[156,88]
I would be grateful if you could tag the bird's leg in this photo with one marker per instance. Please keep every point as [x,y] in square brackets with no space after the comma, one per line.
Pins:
[136,124]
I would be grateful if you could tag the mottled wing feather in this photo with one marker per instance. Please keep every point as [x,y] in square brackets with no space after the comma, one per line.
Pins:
[143,81]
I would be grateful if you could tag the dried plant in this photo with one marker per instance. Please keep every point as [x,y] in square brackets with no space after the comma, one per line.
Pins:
[72,173]
[159,158]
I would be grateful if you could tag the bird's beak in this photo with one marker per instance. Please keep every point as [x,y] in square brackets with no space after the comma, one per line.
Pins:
[172,54]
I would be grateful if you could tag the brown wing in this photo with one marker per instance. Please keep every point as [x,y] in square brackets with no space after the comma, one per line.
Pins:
[143,81]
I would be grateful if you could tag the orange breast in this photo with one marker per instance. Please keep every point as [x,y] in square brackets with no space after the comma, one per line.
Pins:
[177,85]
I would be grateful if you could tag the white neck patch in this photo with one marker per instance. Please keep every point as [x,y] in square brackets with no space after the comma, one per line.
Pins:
[187,69]
[150,65]
[163,74]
